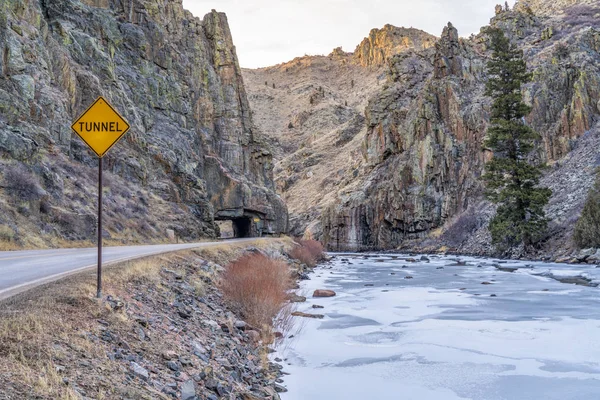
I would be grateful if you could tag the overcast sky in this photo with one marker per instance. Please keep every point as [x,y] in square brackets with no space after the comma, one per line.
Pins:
[268,32]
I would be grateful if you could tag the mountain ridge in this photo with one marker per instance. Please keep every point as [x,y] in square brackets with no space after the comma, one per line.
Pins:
[411,174]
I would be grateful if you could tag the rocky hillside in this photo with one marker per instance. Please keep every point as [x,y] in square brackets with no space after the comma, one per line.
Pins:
[192,156]
[312,109]
[416,180]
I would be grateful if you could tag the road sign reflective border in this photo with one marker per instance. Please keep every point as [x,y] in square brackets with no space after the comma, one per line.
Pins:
[100,115]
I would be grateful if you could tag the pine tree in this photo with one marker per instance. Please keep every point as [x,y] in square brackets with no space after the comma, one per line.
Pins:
[511,178]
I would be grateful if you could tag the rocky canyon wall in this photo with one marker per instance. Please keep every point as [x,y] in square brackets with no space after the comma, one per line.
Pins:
[192,155]
[423,144]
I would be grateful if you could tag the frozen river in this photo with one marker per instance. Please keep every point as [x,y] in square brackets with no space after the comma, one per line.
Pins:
[460,328]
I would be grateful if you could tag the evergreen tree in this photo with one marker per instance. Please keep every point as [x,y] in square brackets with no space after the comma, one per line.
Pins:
[511,179]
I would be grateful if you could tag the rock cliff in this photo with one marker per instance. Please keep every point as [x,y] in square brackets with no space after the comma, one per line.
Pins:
[425,136]
[414,177]
[192,156]
[383,43]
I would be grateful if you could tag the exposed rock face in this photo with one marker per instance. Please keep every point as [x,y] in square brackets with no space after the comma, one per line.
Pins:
[549,8]
[425,131]
[192,153]
[382,44]
[424,144]
[314,117]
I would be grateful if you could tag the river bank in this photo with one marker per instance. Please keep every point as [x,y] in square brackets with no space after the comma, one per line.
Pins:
[446,327]
[162,331]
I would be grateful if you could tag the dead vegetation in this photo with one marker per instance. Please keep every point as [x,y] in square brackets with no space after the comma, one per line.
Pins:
[308,252]
[256,286]
[59,341]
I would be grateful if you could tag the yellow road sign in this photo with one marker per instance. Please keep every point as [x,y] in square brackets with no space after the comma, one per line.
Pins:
[100,127]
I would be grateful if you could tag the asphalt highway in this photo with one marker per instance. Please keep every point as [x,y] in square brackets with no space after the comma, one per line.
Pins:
[23,270]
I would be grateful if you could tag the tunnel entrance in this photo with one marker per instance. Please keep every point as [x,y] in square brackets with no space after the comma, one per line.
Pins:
[238,223]
[242,227]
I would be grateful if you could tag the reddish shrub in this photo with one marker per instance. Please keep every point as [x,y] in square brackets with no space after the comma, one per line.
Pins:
[309,252]
[256,286]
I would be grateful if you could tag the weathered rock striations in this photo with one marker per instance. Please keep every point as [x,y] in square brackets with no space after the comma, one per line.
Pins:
[426,129]
[382,44]
[424,144]
[192,155]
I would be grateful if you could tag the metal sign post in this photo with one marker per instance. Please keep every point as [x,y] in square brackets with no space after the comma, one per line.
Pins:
[100,127]
[99,284]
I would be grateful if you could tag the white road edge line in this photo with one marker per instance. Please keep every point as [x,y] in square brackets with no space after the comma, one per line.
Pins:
[13,290]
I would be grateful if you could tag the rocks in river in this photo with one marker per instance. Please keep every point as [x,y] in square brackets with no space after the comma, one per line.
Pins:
[575,280]
[369,285]
[392,273]
[323,293]
[423,258]
[294,298]
[408,277]
[486,283]
[279,388]
[307,315]
[440,268]
[317,306]
[410,260]
[493,295]
[505,269]
[463,288]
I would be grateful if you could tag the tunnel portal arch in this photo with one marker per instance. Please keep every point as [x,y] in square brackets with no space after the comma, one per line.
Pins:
[241,224]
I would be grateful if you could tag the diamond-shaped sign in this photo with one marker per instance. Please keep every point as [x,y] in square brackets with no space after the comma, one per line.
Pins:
[100,127]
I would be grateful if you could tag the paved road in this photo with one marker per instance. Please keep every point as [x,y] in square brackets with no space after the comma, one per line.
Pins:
[22,270]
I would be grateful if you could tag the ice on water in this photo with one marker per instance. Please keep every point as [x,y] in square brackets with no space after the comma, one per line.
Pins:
[445,335]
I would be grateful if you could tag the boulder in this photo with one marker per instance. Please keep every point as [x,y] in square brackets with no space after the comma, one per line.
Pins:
[306,315]
[139,371]
[323,293]
[188,390]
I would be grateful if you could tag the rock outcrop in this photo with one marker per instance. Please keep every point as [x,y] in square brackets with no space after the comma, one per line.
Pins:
[382,44]
[425,134]
[411,175]
[192,154]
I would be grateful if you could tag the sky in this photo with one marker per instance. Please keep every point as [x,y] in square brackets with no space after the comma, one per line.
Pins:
[269,32]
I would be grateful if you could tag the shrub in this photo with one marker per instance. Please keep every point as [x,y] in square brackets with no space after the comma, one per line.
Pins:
[309,252]
[256,286]
[587,228]
[22,184]
[461,229]
[7,234]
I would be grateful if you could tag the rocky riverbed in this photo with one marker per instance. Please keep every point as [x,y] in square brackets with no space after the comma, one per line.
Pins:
[446,327]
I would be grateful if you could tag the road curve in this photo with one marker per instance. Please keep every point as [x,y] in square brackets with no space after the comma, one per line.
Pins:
[23,270]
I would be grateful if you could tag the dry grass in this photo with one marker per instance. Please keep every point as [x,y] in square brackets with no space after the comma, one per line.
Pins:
[309,252]
[47,328]
[57,324]
[256,286]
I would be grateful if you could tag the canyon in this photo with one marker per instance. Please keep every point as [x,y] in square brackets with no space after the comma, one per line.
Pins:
[192,156]
[383,148]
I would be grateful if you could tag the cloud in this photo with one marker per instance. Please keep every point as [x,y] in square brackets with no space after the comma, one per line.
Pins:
[268,32]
